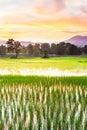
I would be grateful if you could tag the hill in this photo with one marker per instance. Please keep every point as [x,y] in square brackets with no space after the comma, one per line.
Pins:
[78,40]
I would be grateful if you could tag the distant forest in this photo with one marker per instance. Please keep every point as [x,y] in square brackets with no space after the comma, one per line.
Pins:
[14,49]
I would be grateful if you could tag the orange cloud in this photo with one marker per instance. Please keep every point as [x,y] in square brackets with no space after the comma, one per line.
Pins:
[45,29]
[43,20]
[47,7]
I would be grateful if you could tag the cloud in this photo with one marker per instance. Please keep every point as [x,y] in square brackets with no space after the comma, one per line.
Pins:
[84,10]
[76,7]
[76,3]
[42,18]
[44,7]
[74,32]
[60,4]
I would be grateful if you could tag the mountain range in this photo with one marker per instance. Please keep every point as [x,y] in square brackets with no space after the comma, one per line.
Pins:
[76,40]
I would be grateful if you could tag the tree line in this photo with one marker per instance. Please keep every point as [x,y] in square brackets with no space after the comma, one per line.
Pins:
[14,49]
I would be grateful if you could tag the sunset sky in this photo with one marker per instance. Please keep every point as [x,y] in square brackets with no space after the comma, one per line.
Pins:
[42,20]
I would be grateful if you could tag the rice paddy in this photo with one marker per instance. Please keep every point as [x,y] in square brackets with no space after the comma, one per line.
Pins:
[43,103]
[59,66]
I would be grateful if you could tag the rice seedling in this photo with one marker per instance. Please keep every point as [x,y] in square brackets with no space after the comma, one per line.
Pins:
[43,103]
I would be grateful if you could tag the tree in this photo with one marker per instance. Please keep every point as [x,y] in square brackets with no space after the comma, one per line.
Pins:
[68,48]
[30,49]
[36,50]
[2,50]
[53,49]
[74,50]
[45,48]
[61,48]
[45,55]
[84,49]
[14,46]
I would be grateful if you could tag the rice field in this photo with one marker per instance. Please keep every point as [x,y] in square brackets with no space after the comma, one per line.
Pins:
[43,103]
[57,66]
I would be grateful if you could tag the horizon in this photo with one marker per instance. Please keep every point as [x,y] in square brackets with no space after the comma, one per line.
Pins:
[50,42]
[42,20]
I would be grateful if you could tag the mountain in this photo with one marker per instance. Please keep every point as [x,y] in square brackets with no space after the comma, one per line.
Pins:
[78,40]
[23,43]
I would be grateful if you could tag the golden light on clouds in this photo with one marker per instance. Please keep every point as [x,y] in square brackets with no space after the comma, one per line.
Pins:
[42,20]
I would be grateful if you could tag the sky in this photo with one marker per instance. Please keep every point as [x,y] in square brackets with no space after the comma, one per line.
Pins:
[42,20]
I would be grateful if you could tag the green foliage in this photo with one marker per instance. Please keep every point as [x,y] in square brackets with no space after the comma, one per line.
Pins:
[43,103]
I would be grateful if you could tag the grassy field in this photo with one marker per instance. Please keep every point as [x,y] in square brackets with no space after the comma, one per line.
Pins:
[43,103]
[61,63]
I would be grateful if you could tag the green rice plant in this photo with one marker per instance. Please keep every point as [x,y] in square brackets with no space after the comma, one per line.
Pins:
[1,125]
[20,124]
[85,124]
[39,119]
[44,113]
[56,117]
[24,114]
[6,116]
[72,117]
[31,118]
[77,125]
[59,125]
[48,123]
[42,103]
[10,126]
[64,120]
[52,110]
